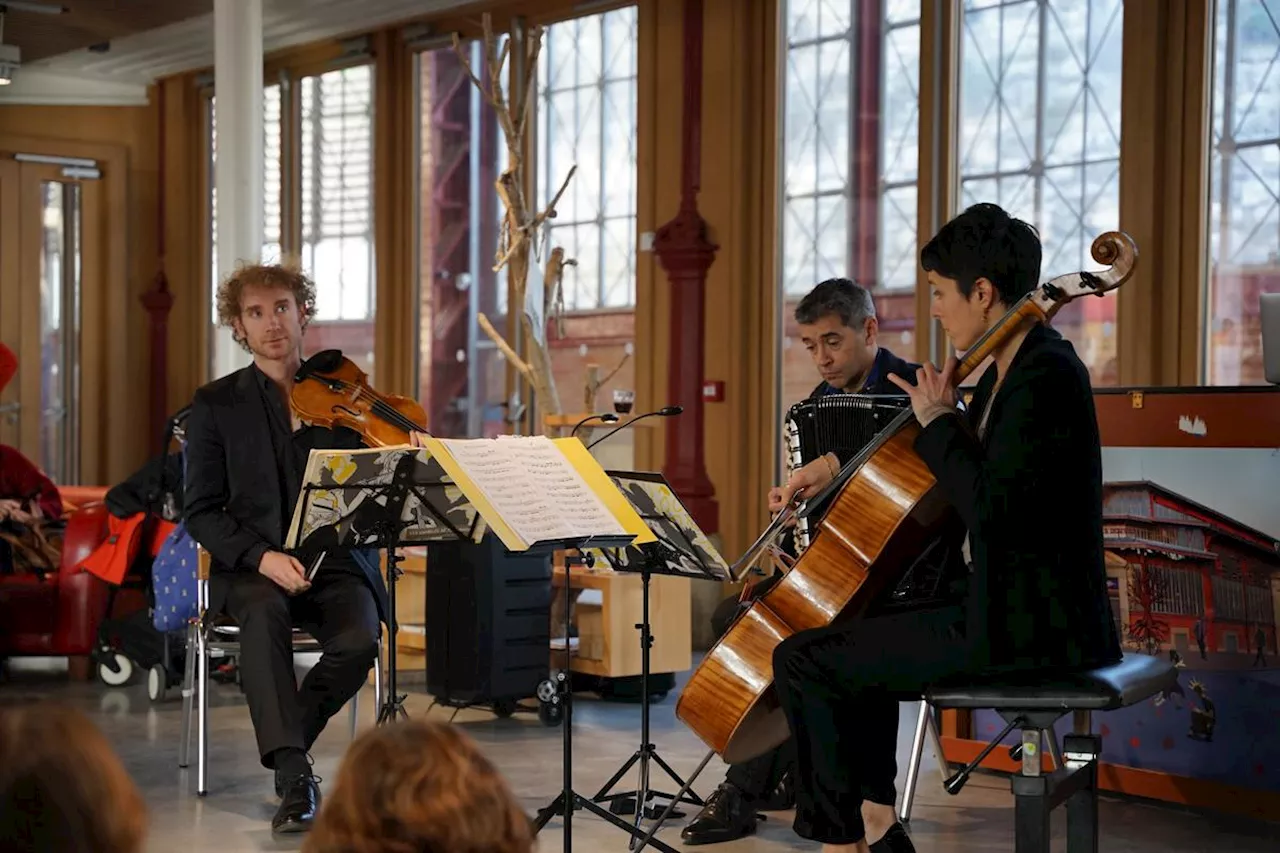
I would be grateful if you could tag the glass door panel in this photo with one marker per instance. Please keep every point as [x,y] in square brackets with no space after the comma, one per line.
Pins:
[40,303]
[10,296]
[59,329]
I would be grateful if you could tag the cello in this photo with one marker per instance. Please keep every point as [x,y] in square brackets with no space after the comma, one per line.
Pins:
[330,390]
[886,512]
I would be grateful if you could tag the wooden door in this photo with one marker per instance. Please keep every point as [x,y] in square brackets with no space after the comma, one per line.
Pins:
[10,304]
[43,272]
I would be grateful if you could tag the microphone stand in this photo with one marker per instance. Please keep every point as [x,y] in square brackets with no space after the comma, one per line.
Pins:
[606,417]
[668,412]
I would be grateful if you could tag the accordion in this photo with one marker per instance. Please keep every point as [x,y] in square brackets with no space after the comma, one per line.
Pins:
[821,424]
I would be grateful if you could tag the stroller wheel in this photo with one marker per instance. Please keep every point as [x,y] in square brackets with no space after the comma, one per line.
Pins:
[157,683]
[115,669]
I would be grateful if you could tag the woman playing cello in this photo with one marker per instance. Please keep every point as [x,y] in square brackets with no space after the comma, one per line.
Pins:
[1022,468]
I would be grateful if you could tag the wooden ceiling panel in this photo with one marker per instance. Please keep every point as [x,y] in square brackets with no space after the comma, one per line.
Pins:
[90,22]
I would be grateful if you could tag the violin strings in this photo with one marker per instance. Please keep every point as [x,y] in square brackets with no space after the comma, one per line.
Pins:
[383,410]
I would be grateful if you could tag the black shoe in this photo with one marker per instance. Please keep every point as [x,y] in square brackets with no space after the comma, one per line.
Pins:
[283,776]
[299,802]
[781,798]
[726,816]
[894,841]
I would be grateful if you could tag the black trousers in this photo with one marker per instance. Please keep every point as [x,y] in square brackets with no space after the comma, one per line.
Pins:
[339,610]
[756,778]
[840,688]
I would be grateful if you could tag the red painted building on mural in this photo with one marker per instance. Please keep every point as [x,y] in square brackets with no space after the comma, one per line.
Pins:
[1190,575]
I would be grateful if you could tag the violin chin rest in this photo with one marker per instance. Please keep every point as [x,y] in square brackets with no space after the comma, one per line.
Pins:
[322,362]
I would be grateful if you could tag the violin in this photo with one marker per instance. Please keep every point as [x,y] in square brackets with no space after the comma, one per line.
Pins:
[330,390]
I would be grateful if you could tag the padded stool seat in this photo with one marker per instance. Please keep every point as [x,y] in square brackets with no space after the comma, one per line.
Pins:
[1033,702]
[1133,679]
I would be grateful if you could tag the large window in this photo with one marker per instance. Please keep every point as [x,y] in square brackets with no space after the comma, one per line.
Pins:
[337,209]
[587,116]
[224,353]
[331,191]
[1039,134]
[849,166]
[584,114]
[1244,179]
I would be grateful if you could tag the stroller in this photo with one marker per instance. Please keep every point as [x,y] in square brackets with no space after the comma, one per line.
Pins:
[151,554]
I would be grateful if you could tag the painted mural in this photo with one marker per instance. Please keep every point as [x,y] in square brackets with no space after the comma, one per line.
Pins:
[1193,568]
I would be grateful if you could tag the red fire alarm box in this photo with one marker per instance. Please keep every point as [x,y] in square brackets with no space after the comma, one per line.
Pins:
[713,391]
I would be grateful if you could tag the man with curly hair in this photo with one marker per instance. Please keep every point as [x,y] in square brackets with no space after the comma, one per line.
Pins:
[246,454]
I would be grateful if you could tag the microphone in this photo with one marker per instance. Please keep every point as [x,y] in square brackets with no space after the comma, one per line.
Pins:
[607,417]
[667,412]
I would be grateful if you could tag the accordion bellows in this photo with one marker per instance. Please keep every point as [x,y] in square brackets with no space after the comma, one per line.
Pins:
[836,422]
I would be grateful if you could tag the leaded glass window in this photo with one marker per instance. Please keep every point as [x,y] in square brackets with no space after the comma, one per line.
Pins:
[1039,134]
[586,115]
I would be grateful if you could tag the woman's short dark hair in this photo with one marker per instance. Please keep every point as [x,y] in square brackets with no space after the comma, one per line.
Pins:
[852,303]
[986,242]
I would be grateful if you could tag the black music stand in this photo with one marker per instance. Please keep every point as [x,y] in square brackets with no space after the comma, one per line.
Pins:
[682,550]
[568,800]
[367,508]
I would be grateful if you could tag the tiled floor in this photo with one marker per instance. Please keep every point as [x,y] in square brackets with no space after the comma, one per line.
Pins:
[240,802]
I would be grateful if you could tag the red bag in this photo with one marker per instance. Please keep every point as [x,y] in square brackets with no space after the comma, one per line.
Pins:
[112,559]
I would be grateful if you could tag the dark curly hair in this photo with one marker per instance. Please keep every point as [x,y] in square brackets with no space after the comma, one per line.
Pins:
[288,277]
[419,787]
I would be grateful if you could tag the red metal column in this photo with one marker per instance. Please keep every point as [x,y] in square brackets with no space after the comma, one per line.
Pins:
[686,254]
[448,235]
[867,114]
[158,301]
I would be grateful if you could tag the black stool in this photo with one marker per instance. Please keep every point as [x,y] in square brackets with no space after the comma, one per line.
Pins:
[1033,705]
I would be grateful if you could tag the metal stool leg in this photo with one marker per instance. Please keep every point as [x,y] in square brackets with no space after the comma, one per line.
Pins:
[377,686]
[188,694]
[355,714]
[1055,748]
[913,763]
[202,696]
[932,728]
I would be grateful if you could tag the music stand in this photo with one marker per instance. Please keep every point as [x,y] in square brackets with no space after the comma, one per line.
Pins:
[681,550]
[568,800]
[379,498]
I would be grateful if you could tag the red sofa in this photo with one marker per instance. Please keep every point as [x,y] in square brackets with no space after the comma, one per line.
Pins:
[60,615]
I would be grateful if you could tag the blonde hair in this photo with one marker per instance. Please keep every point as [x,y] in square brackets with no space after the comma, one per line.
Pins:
[419,787]
[286,276]
[62,788]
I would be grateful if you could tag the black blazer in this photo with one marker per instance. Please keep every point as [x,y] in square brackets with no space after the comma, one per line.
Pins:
[232,491]
[1030,494]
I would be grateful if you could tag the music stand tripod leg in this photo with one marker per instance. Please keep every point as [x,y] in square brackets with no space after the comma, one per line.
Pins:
[568,801]
[393,706]
[647,751]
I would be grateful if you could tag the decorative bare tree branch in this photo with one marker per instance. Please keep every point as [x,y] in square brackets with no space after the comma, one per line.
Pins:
[520,227]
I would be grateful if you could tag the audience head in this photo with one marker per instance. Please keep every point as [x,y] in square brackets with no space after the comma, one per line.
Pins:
[418,787]
[838,327]
[978,265]
[267,306]
[62,788]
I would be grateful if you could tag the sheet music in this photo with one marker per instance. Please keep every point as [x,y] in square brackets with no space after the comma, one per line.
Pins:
[533,487]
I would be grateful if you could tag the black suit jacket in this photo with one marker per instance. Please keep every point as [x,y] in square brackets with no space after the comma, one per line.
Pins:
[1030,494]
[232,489]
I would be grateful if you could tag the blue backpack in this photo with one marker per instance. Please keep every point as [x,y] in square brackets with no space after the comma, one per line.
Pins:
[173,572]
[173,581]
